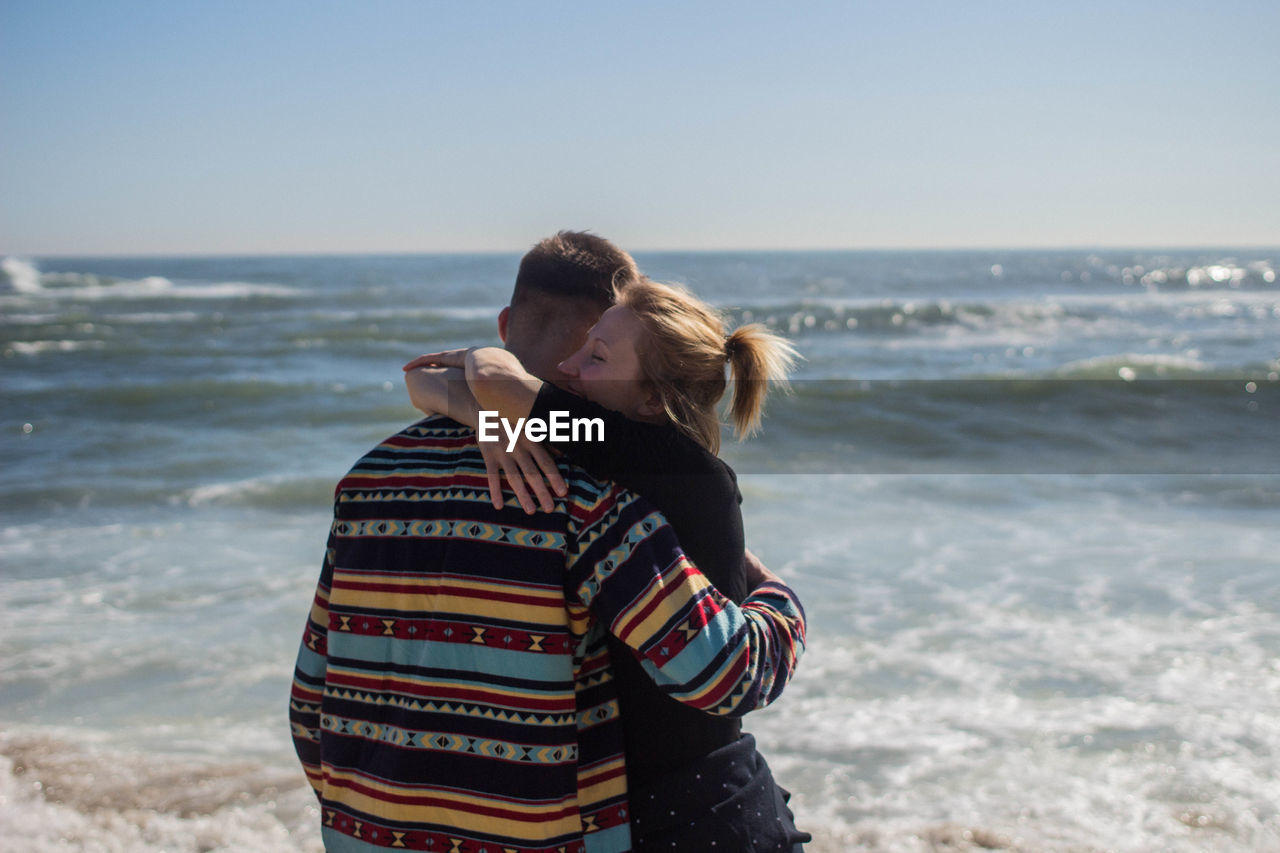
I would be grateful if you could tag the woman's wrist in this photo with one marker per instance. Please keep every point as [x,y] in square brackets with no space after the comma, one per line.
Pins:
[441,390]
[499,382]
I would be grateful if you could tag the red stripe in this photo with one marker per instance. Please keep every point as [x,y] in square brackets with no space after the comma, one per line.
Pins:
[383,482]
[404,440]
[614,772]
[416,577]
[729,682]
[662,596]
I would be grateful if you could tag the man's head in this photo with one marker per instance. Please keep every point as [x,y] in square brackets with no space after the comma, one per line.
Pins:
[565,282]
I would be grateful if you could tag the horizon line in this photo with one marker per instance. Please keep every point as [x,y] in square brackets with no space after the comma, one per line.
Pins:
[1079,247]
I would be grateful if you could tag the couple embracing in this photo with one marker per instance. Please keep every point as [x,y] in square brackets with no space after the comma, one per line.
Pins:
[518,652]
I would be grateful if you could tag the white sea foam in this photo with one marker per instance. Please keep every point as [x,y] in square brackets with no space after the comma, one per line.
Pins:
[1022,666]
[58,796]
[158,286]
[1226,272]
[1052,664]
[284,488]
[23,275]
[228,492]
[147,317]
[1129,366]
[26,278]
[30,348]
[32,319]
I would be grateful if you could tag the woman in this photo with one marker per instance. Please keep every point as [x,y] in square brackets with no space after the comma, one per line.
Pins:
[653,370]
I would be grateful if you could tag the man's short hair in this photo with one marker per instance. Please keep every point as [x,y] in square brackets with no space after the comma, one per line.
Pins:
[577,265]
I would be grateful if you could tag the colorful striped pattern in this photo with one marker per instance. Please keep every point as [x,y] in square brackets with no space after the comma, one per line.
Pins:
[452,690]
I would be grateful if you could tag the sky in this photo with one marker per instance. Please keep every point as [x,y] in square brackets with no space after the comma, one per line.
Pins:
[229,127]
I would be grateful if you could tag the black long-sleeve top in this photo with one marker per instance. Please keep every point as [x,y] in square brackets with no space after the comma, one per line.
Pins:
[698,494]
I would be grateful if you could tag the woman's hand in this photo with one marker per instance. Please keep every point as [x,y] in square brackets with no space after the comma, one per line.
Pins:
[443,358]
[528,466]
[757,572]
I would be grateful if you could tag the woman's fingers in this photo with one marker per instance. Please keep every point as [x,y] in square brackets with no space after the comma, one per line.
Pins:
[493,473]
[526,472]
[533,474]
[515,479]
[498,464]
[443,358]
[547,465]
[427,360]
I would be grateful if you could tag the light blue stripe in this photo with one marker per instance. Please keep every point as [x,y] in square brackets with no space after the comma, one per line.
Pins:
[687,666]
[534,666]
[613,840]
[310,662]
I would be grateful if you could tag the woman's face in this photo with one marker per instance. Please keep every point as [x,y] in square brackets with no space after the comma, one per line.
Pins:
[606,369]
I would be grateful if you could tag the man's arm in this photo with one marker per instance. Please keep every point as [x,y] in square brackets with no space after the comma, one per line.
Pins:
[699,647]
[309,677]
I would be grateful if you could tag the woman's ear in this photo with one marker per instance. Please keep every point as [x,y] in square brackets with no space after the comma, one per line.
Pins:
[652,406]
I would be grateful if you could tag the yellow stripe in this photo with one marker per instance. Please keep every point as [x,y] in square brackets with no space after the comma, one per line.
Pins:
[319,614]
[468,598]
[580,620]
[550,594]
[460,605]
[596,792]
[455,810]
[661,615]
[320,608]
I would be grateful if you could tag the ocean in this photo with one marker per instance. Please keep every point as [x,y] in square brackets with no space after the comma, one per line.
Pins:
[1029,498]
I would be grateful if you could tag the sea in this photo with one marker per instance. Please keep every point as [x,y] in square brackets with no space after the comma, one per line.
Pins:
[1030,499]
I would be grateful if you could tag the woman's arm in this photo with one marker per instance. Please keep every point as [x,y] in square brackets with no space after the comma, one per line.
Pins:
[675,473]
[495,381]
[500,383]
[442,389]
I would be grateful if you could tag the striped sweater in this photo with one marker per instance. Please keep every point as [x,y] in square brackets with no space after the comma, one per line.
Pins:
[452,689]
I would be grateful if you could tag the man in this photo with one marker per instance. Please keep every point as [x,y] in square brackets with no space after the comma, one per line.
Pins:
[452,691]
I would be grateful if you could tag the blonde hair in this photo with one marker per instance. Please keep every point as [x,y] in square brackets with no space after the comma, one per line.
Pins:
[683,353]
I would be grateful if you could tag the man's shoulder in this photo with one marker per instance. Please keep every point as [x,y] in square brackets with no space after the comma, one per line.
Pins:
[591,501]
[433,445]
[432,433]
[445,448]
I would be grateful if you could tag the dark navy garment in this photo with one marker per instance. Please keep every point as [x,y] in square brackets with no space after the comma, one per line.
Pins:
[727,801]
[698,494]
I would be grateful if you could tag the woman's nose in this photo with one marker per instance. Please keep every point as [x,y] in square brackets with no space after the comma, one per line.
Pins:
[569,367]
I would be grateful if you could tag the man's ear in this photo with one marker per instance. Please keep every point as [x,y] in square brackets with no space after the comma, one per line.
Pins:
[503,316]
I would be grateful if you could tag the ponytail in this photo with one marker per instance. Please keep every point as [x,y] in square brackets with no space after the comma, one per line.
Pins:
[756,357]
[683,354]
